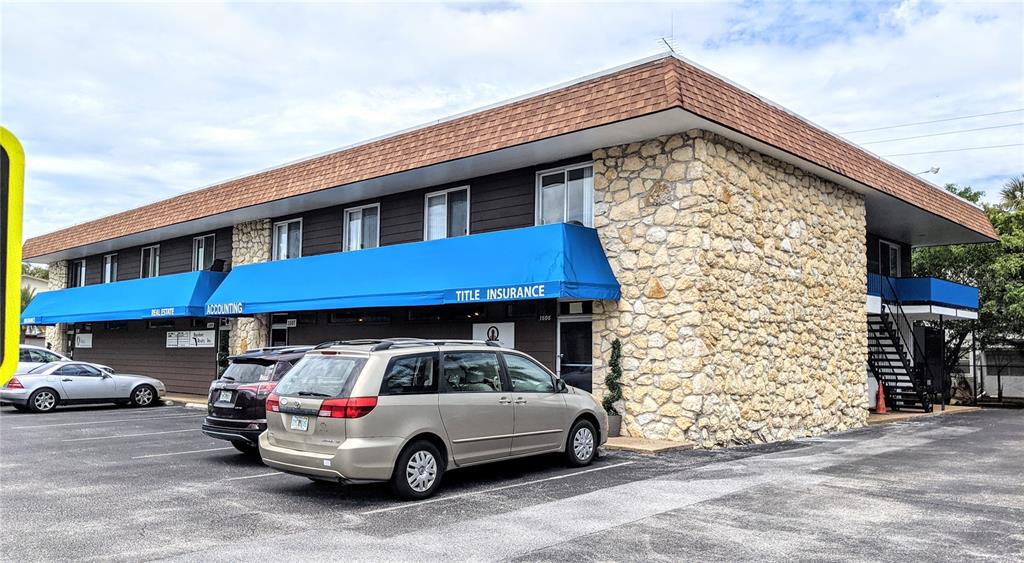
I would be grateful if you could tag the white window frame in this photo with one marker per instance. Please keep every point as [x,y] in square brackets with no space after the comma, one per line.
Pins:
[588,196]
[344,233]
[103,268]
[273,237]
[79,268]
[212,247]
[445,192]
[899,257]
[142,260]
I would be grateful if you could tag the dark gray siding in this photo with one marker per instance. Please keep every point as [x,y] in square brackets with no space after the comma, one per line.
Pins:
[135,348]
[175,257]
[533,336]
[874,252]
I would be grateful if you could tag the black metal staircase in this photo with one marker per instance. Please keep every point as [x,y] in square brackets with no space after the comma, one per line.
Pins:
[904,383]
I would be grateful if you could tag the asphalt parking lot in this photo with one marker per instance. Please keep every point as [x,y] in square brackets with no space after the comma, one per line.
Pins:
[104,483]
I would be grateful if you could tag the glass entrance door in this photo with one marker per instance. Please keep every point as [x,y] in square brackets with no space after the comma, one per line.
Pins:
[575,352]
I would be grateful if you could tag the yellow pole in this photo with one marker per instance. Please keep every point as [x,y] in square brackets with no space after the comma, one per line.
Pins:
[12,190]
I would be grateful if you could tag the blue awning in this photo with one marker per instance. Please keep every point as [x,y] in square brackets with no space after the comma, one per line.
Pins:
[551,261]
[178,295]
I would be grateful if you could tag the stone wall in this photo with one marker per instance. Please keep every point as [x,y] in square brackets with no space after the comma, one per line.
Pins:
[57,279]
[250,243]
[742,314]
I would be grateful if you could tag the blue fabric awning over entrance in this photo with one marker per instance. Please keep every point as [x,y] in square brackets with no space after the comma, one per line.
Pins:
[177,295]
[551,261]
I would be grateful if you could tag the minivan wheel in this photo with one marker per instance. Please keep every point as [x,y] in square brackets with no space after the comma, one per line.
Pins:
[582,444]
[42,400]
[418,471]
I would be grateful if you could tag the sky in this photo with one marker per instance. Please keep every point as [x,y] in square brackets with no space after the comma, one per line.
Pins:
[122,104]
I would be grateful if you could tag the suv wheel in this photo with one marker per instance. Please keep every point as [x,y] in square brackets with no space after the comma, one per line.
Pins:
[247,448]
[582,444]
[418,471]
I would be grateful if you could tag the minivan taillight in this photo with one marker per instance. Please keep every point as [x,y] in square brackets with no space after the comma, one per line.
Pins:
[353,407]
[261,389]
[273,403]
[14,384]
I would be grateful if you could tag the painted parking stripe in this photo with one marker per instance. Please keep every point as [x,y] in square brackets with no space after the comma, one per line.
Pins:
[130,435]
[181,453]
[254,476]
[485,491]
[108,421]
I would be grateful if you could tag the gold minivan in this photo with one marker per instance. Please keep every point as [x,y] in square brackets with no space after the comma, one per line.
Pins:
[407,410]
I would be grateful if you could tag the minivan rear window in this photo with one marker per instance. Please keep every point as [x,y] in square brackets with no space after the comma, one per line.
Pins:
[246,372]
[320,376]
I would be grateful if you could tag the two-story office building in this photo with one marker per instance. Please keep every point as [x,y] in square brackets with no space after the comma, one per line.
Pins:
[750,263]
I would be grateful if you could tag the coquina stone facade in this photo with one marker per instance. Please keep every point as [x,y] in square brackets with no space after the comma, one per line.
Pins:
[57,279]
[742,316]
[250,243]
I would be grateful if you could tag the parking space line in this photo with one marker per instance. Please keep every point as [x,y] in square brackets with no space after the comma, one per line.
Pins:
[130,435]
[181,453]
[254,476]
[107,421]
[485,491]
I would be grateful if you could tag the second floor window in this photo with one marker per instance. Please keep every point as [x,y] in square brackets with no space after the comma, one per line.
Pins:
[77,273]
[447,214]
[566,196]
[202,252]
[362,227]
[150,262]
[109,268]
[287,239]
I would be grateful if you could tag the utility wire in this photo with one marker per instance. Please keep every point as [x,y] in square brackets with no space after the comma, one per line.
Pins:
[932,121]
[957,150]
[942,133]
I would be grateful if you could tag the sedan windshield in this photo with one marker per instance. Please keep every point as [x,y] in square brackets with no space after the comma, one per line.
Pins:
[320,376]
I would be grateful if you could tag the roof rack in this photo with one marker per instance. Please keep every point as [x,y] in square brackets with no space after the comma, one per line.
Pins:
[378,344]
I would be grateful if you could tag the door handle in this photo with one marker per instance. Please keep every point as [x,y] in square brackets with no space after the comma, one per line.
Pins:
[520,401]
[504,401]
[67,379]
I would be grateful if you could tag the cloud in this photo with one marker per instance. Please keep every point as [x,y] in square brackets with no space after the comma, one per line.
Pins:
[122,104]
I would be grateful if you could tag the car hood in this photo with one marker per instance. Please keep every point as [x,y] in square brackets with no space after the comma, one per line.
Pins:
[132,378]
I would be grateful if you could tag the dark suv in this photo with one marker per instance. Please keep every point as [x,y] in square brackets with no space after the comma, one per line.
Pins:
[237,402]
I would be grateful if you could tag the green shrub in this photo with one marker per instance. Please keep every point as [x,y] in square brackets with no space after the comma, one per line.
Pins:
[613,381]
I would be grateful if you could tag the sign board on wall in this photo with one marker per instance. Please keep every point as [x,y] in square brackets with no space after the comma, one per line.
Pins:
[191,338]
[502,333]
[83,340]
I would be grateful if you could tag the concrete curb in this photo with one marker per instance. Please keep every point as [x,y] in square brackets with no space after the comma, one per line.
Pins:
[642,446]
[874,419]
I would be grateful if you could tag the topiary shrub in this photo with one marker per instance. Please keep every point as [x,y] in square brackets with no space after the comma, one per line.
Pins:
[613,381]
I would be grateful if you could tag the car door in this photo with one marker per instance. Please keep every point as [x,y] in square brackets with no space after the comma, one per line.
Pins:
[540,413]
[476,407]
[84,382]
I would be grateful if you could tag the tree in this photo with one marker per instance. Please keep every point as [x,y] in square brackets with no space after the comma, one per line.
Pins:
[35,271]
[27,295]
[996,269]
[613,381]
[1013,194]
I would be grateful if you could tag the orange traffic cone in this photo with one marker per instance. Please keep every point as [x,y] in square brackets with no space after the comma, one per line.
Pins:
[880,402]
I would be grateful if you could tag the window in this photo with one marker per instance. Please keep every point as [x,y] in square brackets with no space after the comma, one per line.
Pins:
[109,268]
[203,252]
[150,262]
[566,196]
[246,372]
[47,356]
[472,372]
[526,376]
[447,214]
[362,227]
[288,239]
[77,273]
[408,375]
[78,369]
[316,375]
[889,259]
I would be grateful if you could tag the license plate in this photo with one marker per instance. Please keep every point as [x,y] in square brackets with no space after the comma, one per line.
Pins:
[225,397]
[300,423]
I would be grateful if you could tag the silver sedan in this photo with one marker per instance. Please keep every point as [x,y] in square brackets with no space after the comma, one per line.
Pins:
[63,383]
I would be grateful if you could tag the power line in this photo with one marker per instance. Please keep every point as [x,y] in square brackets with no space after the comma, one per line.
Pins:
[942,133]
[932,121]
[957,150]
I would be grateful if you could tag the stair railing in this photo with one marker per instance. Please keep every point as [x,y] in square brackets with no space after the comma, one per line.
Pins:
[921,372]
